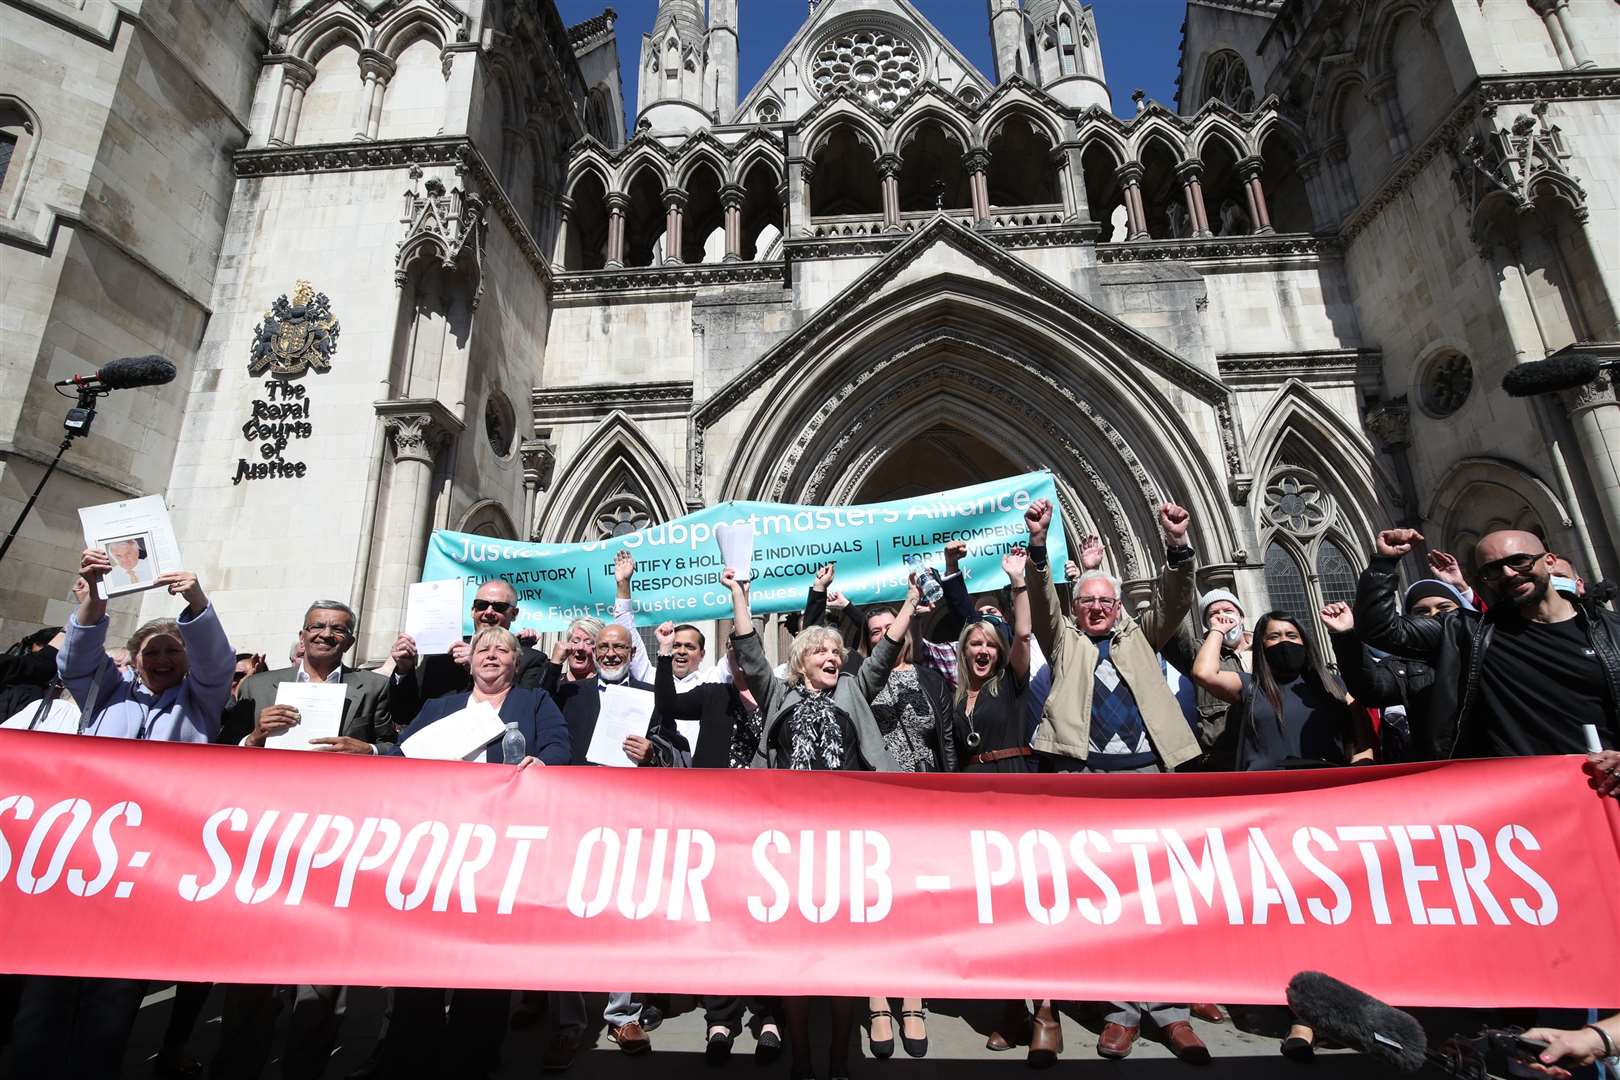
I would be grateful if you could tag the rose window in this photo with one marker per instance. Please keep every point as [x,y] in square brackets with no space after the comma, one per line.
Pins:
[1294,501]
[1446,383]
[623,513]
[883,69]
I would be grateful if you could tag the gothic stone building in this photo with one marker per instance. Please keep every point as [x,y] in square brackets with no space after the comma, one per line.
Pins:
[1286,300]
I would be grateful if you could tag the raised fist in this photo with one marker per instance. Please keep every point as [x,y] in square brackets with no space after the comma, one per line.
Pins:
[1396,543]
[1038,519]
[1174,521]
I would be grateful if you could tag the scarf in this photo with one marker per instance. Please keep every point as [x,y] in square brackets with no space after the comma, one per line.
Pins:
[816,733]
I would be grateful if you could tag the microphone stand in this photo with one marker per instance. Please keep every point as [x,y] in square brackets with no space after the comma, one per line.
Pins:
[77,422]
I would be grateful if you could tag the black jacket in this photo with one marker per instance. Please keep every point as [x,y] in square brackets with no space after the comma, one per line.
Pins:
[1455,644]
[437,675]
[714,705]
[581,704]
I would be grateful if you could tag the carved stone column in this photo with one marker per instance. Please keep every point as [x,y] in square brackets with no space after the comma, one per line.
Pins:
[1250,169]
[375,71]
[617,203]
[1338,168]
[418,428]
[889,169]
[1317,193]
[1383,94]
[296,76]
[559,251]
[977,165]
[1389,425]
[731,200]
[1567,44]
[539,462]
[1130,179]
[674,212]
[1191,173]
[1595,415]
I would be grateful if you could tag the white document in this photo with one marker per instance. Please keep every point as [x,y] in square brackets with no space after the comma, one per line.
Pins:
[320,713]
[737,548]
[138,537]
[457,737]
[625,711]
[433,615]
[689,732]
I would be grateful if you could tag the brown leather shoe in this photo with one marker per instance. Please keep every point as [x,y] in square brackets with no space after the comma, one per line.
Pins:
[1185,1043]
[630,1037]
[1116,1040]
[1209,1013]
[1045,1038]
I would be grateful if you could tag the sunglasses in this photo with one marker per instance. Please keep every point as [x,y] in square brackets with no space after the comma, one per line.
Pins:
[1520,564]
[501,606]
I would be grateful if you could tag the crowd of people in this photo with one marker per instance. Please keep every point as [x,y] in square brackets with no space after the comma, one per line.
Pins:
[1055,673]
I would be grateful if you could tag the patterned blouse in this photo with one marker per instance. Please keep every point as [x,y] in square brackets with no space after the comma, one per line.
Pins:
[906,719]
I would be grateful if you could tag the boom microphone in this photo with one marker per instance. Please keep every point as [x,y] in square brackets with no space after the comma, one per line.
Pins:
[1346,1015]
[126,374]
[1550,376]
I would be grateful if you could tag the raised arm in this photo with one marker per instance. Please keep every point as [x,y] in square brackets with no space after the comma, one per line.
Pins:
[1377,612]
[82,661]
[756,671]
[815,603]
[874,670]
[624,613]
[1370,682]
[1175,593]
[958,604]
[210,659]
[1206,668]
[1014,563]
[1045,610]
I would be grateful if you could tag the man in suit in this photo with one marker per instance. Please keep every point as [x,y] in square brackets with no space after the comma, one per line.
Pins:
[249,1014]
[420,679]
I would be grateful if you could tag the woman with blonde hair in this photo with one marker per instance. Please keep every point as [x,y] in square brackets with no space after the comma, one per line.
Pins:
[818,717]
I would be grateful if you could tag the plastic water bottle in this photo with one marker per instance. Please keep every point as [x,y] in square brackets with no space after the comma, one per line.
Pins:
[513,748]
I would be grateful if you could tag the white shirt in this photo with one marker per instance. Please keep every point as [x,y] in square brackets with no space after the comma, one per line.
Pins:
[642,667]
[336,675]
[62,717]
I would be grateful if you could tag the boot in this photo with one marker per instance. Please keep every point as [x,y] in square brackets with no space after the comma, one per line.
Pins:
[1046,1037]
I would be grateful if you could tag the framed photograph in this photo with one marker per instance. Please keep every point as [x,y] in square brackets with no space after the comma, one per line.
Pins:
[133,565]
[138,539]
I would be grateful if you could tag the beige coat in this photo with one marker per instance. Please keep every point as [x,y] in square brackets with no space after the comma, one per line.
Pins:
[1065,727]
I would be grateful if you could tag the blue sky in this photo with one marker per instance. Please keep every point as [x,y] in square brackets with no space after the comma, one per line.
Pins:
[1139,38]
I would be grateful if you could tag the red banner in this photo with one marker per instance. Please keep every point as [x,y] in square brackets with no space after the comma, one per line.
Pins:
[1467,884]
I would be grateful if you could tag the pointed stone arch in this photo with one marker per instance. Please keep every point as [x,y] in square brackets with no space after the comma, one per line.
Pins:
[1298,429]
[487,517]
[618,465]
[1013,336]
[1478,494]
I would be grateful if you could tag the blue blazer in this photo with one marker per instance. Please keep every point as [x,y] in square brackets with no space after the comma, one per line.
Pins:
[545,732]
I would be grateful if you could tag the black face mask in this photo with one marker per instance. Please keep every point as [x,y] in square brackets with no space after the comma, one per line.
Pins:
[1287,658]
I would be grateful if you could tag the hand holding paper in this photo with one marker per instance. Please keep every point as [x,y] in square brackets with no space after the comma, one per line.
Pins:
[737,547]
[461,736]
[433,613]
[320,713]
[625,713]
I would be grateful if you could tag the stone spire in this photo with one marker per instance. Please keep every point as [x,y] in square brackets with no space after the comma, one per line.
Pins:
[674,78]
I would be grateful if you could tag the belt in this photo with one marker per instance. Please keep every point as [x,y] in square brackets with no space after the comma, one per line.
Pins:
[1001,755]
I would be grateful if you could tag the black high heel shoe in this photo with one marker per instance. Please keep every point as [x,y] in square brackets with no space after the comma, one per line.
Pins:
[914,1047]
[1297,1049]
[881,1048]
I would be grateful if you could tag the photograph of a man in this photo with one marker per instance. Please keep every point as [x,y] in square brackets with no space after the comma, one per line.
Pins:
[131,564]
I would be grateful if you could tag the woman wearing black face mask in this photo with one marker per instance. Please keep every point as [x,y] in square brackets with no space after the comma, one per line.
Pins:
[1294,714]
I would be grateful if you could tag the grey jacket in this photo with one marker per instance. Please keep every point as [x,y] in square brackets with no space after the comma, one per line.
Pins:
[852,694]
[365,701]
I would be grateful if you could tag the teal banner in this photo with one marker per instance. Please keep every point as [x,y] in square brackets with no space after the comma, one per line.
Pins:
[678,563]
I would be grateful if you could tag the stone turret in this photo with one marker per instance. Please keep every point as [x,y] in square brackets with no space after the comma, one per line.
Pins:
[689,67]
[1052,43]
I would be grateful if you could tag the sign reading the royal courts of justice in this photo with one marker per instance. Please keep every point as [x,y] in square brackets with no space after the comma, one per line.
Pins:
[297,335]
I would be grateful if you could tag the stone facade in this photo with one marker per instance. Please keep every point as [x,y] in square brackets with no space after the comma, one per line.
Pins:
[1286,302]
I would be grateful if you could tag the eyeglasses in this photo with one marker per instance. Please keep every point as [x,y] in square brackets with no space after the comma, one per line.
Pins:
[1104,602]
[336,629]
[1520,564]
[501,606]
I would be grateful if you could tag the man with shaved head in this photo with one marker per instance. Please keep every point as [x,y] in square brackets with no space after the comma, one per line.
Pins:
[1523,678]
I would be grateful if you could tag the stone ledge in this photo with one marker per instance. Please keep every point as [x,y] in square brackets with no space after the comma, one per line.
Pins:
[580,283]
[579,404]
[1222,248]
[1314,366]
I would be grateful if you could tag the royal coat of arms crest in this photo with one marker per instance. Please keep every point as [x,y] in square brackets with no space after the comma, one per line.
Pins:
[296,334]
